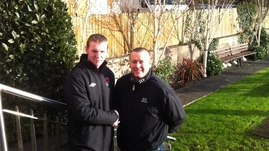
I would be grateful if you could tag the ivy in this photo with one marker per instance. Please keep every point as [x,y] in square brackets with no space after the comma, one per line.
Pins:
[247,14]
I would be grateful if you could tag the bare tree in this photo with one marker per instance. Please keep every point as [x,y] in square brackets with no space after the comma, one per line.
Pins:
[156,19]
[162,18]
[80,10]
[207,18]
[263,12]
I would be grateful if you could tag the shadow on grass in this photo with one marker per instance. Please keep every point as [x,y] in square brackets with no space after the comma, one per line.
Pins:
[263,91]
[228,112]
[254,86]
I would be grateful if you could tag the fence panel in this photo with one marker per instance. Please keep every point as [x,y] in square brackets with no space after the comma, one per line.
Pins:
[126,31]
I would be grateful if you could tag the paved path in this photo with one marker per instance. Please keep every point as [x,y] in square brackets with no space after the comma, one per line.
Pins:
[199,89]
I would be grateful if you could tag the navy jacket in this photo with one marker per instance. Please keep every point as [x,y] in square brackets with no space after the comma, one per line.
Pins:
[89,108]
[149,109]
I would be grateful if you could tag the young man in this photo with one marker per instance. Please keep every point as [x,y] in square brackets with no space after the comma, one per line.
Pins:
[149,108]
[90,118]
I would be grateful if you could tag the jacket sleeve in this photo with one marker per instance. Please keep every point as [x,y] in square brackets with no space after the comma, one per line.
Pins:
[81,108]
[174,111]
[116,95]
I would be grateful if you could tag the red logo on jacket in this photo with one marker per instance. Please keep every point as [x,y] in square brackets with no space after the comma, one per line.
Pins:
[107,81]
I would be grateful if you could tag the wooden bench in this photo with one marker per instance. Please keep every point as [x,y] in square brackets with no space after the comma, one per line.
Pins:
[236,52]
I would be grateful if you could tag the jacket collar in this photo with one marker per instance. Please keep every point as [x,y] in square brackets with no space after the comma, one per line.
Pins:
[89,64]
[141,80]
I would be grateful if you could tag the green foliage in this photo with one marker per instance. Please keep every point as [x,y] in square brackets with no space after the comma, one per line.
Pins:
[179,75]
[181,43]
[188,71]
[188,25]
[214,44]
[37,49]
[261,51]
[198,44]
[165,69]
[247,12]
[214,65]
[264,39]
[198,36]
[192,33]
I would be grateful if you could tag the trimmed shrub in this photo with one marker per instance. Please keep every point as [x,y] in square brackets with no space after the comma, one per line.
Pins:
[261,51]
[214,65]
[37,51]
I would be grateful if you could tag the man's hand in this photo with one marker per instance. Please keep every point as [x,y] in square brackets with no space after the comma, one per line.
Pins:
[116,123]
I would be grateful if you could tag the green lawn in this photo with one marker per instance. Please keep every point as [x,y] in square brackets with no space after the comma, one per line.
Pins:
[225,120]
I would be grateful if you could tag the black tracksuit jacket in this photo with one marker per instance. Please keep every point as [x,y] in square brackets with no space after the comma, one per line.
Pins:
[149,108]
[89,107]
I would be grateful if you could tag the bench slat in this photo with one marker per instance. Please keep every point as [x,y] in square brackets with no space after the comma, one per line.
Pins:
[236,52]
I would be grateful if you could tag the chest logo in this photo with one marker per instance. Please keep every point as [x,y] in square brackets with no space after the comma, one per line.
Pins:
[141,80]
[92,85]
[144,100]
[107,81]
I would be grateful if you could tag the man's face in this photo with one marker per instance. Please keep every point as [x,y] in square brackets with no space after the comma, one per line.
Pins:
[140,63]
[97,53]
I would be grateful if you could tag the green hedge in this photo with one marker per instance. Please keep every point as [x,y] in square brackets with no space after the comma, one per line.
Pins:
[37,50]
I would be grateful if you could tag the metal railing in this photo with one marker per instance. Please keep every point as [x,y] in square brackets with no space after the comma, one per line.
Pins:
[18,115]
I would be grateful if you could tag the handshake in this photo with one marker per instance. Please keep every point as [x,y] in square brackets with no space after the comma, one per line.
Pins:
[116,123]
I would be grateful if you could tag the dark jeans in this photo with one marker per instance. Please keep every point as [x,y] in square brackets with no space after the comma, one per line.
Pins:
[160,148]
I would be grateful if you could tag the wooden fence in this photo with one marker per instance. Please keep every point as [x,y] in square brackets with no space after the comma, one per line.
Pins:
[126,31]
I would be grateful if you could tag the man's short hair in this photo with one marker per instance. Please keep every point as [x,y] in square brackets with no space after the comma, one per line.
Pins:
[98,38]
[140,49]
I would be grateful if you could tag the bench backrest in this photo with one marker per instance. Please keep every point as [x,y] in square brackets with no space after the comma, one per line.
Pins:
[239,48]
[222,52]
[232,50]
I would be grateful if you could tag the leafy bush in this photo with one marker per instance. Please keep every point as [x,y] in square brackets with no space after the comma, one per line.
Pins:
[264,39]
[214,65]
[188,71]
[37,50]
[165,69]
[214,44]
[261,51]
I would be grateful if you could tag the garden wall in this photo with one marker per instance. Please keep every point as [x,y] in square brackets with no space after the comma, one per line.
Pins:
[120,65]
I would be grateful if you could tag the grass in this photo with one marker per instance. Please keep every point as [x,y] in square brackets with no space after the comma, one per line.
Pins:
[225,120]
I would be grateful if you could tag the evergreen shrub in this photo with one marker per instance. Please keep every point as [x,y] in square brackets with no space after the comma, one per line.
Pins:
[214,65]
[37,51]
[165,69]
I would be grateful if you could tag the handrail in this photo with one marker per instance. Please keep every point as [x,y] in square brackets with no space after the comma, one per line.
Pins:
[30,116]
[32,97]
[25,95]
